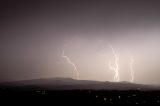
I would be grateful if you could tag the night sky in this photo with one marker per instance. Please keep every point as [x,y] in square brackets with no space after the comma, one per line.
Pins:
[34,33]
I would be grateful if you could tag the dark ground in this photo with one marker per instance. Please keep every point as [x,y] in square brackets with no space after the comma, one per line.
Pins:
[77,97]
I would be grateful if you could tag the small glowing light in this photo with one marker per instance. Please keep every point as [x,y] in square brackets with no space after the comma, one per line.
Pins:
[37,91]
[119,97]
[96,96]
[110,99]
[136,103]
[158,101]
[105,98]
[133,95]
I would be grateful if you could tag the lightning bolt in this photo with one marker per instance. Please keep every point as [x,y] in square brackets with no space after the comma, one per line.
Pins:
[70,62]
[115,68]
[131,69]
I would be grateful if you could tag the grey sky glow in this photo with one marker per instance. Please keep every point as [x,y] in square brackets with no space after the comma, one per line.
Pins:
[33,34]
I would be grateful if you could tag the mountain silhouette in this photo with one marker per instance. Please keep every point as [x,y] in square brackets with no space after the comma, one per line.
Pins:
[72,84]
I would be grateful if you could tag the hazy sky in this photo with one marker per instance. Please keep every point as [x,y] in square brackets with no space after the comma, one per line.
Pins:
[33,34]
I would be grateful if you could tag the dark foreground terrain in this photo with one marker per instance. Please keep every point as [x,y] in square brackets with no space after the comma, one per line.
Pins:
[82,96]
[69,91]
